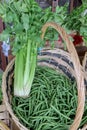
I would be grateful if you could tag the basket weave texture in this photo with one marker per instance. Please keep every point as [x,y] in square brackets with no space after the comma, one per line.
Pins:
[3,126]
[4,118]
[65,62]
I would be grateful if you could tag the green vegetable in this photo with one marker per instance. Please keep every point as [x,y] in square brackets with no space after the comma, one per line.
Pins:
[52,102]
[23,25]
[24,20]
[25,64]
[77,20]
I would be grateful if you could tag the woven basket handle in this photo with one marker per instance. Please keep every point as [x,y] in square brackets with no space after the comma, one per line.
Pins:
[77,68]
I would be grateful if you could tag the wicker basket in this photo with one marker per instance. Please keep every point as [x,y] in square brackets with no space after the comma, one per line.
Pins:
[84,63]
[67,63]
[4,116]
[3,126]
[84,128]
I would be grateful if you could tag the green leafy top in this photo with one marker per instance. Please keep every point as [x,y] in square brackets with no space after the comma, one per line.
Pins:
[24,20]
[77,20]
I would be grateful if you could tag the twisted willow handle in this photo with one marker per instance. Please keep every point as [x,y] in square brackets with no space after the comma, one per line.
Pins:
[78,71]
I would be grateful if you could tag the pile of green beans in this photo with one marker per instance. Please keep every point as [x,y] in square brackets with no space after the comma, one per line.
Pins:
[51,104]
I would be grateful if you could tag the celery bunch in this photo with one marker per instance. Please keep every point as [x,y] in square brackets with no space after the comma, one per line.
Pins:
[23,22]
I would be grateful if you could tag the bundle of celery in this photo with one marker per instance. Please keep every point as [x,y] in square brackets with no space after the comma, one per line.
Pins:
[23,22]
[25,64]
[20,18]
[22,26]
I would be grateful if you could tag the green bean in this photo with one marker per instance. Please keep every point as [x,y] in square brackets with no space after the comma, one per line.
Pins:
[51,104]
[20,117]
[84,121]
[43,117]
[58,112]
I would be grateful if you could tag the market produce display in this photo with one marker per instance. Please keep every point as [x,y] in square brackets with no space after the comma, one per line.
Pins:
[52,102]
[42,98]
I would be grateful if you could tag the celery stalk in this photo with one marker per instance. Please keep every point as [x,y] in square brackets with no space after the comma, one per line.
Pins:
[25,64]
[18,74]
[33,59]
